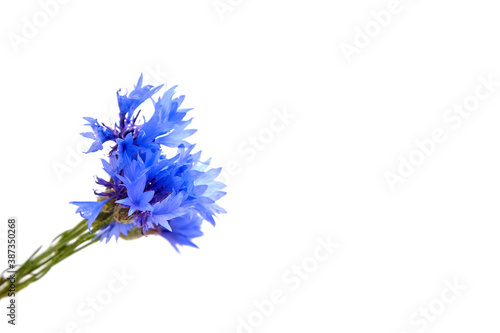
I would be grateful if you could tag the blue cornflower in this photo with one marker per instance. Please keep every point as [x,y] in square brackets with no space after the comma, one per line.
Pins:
[150,193]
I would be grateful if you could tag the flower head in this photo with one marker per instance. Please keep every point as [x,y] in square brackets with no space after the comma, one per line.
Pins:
[150,192]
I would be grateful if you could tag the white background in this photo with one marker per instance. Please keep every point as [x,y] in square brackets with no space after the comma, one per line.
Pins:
[321,176]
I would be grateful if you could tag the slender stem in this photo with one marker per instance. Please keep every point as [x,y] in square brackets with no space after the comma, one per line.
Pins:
[62,247]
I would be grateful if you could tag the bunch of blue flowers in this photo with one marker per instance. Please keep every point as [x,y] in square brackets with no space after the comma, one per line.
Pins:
[147,192]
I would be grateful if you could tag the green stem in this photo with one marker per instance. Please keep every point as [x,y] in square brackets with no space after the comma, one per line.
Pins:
[63,246]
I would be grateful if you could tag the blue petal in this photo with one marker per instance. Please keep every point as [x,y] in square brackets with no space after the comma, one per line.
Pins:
[184,229]
[99,134]
[167,209]
[89,209]
[128,104]
[114,229]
